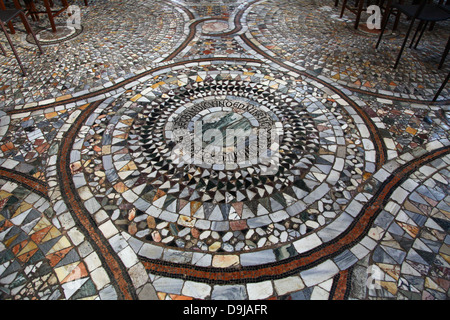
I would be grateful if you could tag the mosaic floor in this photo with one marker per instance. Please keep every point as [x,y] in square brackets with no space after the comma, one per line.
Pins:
[96,205]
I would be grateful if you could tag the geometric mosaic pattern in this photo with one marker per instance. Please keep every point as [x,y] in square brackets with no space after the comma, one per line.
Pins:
[97,202]
[37,260]
[181,206]
[411,259]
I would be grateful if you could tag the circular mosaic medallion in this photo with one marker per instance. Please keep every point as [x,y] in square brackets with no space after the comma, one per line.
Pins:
[225,141]
[62,34]
[223,197]
[217,179]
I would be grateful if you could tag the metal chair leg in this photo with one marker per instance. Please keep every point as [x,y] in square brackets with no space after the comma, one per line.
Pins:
[421,34]
[34,9]
[50,14]
[343,8]
[385,22]
[13,49]
[444,55]
[358,14]
[419,28]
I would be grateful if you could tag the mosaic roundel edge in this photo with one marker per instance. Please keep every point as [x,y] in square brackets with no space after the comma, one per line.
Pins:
[182,215]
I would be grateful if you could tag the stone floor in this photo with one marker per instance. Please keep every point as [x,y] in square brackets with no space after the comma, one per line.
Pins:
[95,204]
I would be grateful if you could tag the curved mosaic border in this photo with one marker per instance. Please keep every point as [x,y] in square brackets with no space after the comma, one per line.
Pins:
[331,263]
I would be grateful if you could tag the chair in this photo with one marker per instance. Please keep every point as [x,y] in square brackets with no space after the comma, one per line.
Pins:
[423,12]
[445,7]
[385,6]
[441,2]
[5,17]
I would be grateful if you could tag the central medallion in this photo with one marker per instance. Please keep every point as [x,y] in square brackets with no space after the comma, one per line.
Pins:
[225,134]
[216,155]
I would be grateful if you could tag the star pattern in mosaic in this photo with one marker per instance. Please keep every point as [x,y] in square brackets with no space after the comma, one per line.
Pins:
[318,40]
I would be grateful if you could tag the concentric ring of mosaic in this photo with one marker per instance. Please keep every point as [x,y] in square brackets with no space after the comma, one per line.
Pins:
[236,114]
[143,216]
